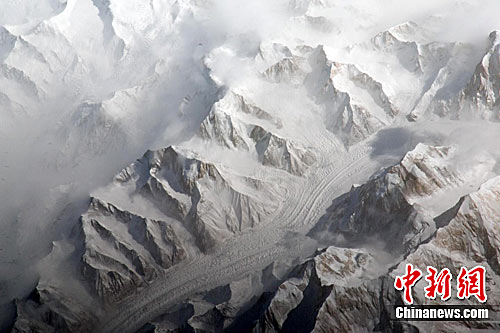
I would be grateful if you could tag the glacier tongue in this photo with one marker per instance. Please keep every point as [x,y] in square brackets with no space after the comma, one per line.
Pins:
[383,208]
[351,289]
[256,118]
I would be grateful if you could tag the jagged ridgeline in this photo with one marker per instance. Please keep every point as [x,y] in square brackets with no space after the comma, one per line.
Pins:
[288,163]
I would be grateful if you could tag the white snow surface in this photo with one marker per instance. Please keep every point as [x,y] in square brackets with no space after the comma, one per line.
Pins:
[287,103]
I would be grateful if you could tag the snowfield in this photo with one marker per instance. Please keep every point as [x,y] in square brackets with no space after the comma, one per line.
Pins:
[290,158]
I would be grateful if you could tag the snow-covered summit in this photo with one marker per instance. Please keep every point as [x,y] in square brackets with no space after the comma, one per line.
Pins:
[251,122]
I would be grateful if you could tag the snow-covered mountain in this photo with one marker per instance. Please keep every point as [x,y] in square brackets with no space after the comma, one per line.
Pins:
[293,156]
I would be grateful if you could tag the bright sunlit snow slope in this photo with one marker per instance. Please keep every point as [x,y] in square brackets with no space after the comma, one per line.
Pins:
[247,120]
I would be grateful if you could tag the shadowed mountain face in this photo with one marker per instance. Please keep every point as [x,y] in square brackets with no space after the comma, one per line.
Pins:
[290,158]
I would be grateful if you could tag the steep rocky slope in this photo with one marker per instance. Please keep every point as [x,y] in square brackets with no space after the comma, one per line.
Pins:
[384,209]
[351,289]
[256,118]
[478,99]
[349,286]
[198,203]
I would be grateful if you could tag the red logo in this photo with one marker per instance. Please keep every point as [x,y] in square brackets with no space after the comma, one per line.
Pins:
[438,285]
[472,283]
[469,283]
[407,282]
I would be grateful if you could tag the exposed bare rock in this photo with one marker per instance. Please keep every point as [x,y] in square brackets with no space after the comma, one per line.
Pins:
[264,128]
[209,203]
[382,209]
[124,250]
[467,237]
[479,98]
[356,105]
[225,125]
[311,298]
[48,309]
[232,123]
[406,51]
[281,153]
[352,290]
[481,95]
[287,70]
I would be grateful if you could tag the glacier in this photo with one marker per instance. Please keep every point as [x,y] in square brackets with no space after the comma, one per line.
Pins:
[210,165]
